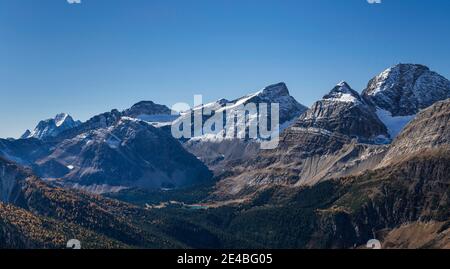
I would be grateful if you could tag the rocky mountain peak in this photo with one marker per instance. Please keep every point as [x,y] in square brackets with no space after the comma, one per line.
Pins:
[26,134]
[275,90]
[342,92]
[61,118]
[52,127]
[146,108]
[405,89]
[428,130]
[343,111]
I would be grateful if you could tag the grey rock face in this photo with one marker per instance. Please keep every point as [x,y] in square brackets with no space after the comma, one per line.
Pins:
[405,89]
[11,177]
[343,111]
[146,108]
[429,130]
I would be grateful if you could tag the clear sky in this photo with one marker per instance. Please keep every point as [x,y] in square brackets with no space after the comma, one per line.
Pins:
[89,58]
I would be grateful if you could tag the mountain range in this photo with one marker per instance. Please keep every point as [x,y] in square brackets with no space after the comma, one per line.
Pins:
[350,168]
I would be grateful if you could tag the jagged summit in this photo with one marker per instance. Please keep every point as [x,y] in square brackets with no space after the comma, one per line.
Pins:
[405,89]
[343,111]
[342,92]
[25,135]
[60,119]
[278,89]
[52,127]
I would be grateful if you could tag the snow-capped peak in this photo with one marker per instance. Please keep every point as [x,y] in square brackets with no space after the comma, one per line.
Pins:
[275,90]
[401,91]
[343,84]
[60,119]
[342,92]
[405,89]
[52,127]
[278,93]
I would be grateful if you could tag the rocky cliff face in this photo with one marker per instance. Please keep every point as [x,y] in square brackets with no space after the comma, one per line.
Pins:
[344,112]
[429,130]
[409,192]
[12,179]
[413,192]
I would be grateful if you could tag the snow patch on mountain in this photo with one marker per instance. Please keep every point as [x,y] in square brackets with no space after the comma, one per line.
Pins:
[394,124]
[344,97]
[99,188]
[342,92]
[60,119]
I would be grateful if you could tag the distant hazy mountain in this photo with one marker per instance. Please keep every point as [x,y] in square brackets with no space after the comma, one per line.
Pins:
[128,153]
[109,152]
[51,127]
[343,111]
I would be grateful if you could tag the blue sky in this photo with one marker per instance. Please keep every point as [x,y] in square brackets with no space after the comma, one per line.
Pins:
[89,58]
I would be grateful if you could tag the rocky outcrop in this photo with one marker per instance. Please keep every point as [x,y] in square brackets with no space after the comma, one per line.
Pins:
[429,130]
[343,111]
